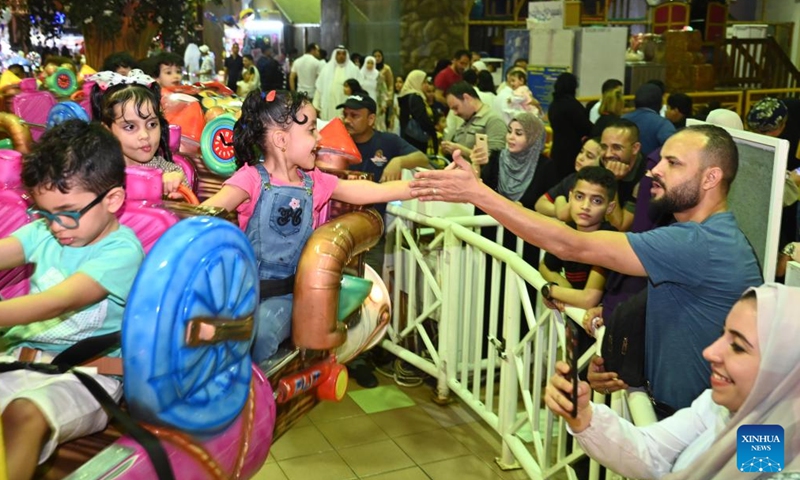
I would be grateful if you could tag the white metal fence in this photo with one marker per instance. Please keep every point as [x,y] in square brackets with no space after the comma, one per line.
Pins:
[440,275]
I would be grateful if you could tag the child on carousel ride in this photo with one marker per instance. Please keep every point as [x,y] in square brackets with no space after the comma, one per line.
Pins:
[85,263]
[167,69]
[279,197]
[129,106]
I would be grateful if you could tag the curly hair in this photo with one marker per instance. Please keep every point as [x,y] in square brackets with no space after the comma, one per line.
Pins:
[75,154]
[260,114]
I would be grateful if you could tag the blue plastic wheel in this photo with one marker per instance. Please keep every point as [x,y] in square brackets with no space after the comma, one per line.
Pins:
[216,145]
[63,111]
[202,267]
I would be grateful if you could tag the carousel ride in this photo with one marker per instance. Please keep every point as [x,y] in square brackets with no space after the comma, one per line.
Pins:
[188,326]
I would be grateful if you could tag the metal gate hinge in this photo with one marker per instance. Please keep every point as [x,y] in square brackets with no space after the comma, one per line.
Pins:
[500,345]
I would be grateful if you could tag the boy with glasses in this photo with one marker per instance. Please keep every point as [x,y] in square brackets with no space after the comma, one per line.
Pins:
[85,263]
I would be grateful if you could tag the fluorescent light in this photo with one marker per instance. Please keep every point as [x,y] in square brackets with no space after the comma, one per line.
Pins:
[264,25]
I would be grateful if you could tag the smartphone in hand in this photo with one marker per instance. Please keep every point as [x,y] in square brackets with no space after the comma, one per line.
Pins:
[571,330]
[482,140]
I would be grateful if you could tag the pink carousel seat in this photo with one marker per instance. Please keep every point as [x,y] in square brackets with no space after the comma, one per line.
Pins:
[186,164]
[14,203]
[142,212]
[33,106]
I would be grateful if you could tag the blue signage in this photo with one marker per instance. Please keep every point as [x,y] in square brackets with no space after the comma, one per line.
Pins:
[759,448]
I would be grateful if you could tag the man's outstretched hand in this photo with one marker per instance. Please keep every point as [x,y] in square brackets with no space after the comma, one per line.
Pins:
[457,183]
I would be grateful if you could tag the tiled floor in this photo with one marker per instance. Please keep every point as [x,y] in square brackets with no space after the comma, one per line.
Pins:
[338,441]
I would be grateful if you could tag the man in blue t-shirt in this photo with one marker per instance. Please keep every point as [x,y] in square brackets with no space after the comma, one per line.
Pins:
[697,268]
[383,154]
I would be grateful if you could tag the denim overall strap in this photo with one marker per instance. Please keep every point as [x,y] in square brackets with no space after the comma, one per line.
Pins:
[280,225]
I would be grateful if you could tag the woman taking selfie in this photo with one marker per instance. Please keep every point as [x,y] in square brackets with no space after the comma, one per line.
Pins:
[755,380]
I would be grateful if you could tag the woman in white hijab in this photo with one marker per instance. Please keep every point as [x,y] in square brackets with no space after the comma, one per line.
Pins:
[755,380]
[370,79]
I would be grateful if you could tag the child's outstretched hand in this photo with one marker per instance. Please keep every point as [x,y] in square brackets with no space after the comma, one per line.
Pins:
[172,181]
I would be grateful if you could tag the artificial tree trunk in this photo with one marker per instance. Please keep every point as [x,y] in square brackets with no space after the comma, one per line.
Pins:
[135,41]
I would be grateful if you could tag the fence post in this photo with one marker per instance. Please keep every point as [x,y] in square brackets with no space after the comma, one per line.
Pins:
[448,335]
[507,408]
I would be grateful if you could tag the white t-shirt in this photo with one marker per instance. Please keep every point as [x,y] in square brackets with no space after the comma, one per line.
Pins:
[594,113]
[307,69]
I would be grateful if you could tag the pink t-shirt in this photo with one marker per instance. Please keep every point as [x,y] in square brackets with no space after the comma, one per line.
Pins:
[248,179]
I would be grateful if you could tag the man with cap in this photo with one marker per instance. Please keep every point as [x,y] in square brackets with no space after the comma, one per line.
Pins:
[781,119]
[329,90]
[384,155]
[206,72]
[654,129]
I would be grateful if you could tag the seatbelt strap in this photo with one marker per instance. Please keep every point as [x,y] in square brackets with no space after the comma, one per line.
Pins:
[149,442]
[88,349]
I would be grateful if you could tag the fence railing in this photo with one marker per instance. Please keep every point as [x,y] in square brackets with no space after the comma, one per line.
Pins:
[443,269]
[754,63]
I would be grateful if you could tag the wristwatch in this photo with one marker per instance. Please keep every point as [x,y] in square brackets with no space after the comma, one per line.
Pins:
[546,290]
[788,250]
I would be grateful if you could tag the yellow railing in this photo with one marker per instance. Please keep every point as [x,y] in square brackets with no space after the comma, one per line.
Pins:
[732,100]
[585,100]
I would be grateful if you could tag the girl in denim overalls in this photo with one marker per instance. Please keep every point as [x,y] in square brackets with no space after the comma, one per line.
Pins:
[279,197]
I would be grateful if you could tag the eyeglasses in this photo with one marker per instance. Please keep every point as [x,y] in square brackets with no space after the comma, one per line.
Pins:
[68,220]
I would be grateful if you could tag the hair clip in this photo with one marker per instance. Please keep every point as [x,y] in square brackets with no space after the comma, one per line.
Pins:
[270,96]
[108,79]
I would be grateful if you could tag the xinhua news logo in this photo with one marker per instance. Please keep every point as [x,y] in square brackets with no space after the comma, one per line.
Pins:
[759,448]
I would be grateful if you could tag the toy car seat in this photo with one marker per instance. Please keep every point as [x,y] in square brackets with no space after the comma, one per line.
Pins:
[33,106]
[142,210]
[14,203]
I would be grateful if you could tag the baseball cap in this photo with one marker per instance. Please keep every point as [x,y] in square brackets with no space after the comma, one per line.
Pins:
[766,115]
[359,101]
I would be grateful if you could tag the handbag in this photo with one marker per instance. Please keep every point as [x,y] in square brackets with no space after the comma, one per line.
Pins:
[623,343]
[415,132]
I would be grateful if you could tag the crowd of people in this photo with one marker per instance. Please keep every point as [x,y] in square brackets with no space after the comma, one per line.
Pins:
[648,232]
[630,206]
